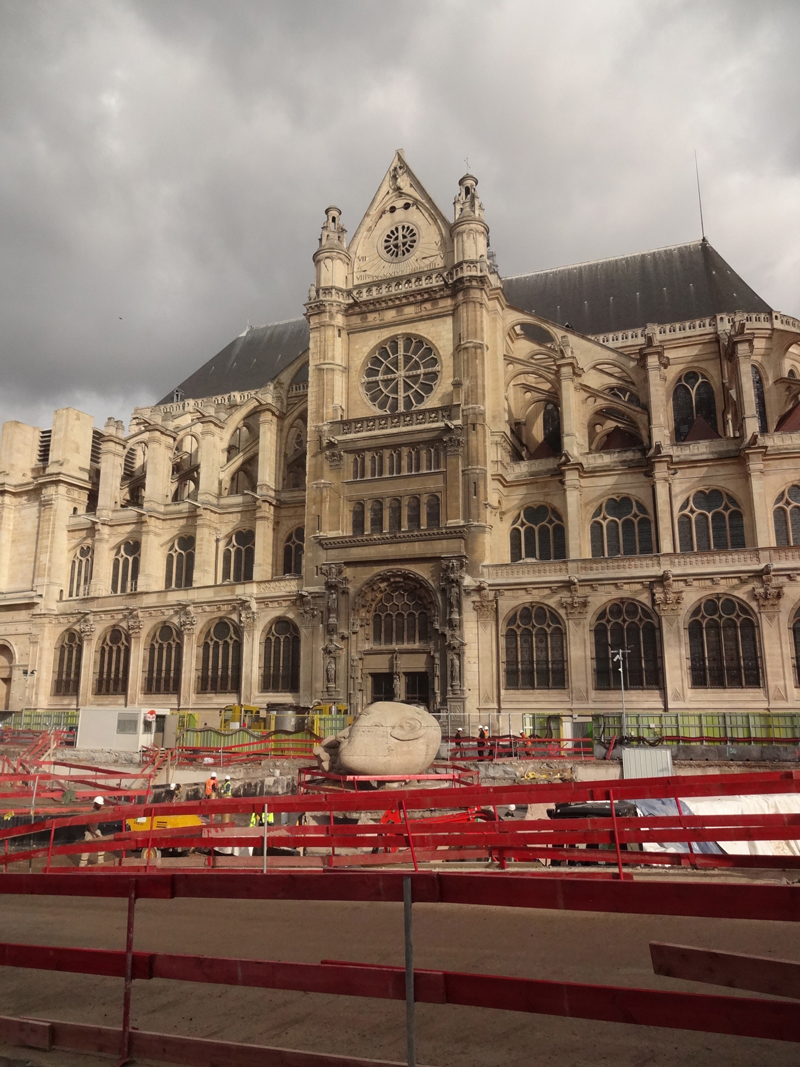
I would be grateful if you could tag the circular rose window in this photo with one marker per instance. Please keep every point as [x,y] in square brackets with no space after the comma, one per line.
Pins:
[400,241]
[401,375]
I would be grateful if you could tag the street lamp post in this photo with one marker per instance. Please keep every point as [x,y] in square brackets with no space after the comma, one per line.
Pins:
[617,655]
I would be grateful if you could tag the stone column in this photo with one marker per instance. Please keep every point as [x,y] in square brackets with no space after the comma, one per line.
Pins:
[51,565]
[576,549]
[777,665]
[210,429]
[263,568]
[481,669]
[248,619]
[454,446]
[741,349]
[187,622]
[133,624]
[160,446]
[668,602]
[575,608]
[310,639]
[654,360]
[151,564]
[662,496]
[206,565]
[268,475]
[762,513]
[112,454]
[101,563]
[567,369]
[87,631]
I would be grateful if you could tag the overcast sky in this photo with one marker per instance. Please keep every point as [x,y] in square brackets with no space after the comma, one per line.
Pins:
[165,164]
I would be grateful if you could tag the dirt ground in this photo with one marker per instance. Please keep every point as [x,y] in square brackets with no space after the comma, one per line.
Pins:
[538,944]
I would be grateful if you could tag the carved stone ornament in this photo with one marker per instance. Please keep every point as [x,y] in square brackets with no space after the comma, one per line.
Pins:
[451,582]
[187,620]
[454,441]
[335,583]
[484,603]
[133,622]
[335,458]
[575,606]
[86,626]
[769,593]
[308,612]
[667,597]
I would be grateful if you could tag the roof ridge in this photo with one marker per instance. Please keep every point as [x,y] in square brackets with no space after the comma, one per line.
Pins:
[606,259]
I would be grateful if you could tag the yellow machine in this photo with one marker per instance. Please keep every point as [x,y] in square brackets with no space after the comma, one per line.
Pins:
[241,716]
[161,822]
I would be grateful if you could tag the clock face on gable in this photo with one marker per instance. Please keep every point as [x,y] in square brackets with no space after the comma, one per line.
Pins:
[404,240]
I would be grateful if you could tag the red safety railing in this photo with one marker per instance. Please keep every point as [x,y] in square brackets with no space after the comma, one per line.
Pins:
[522,748]
[752,1017]
[313,780]
[277,748]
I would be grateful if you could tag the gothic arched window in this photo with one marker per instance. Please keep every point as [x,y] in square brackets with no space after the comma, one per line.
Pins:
[538,533]
[551,427]
[761,403]
[621,527]
[80,572]
[631,627]
[242,438]
[535,650]
[432,512]
[796,645]
[113,660]
[400,618]
[394,461]
[710,518]
[786,516]
[296,474]
[220,658]
[293,548]
[67,672]
[723,645]
[692,398]
[179,570]
[186,489]
[376,516]
[281,668]
[412,461]
[238,557]
[376,465]
[395,515]
[185,467]
[412,513]
[162,672]
[125,568]
[358,465]
[358,519]
[244,478]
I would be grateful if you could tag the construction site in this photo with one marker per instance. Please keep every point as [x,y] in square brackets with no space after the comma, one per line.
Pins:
[374,891]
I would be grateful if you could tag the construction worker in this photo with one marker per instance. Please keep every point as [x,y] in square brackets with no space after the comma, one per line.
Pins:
[481,742]
[511,812]
[257,818]
[211,786]
[175,790]
[92,833]
[226,790]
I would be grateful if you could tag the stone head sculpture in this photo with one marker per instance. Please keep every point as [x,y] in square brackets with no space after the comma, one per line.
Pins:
[388,737]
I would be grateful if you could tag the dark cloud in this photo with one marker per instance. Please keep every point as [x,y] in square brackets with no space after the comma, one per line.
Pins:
[165,165]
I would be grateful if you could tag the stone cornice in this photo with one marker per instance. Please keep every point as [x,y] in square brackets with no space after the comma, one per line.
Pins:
[366,540]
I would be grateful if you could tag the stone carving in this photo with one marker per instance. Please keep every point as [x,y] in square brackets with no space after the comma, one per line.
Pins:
[455,652]
[335,582]
[335,458]
[575,605]
[667,597]
[86,626]
[451,582]
[388,737]
[308,612]
[330,652]
[484,603]
[133,622]
[769,593]
[248,612]
[187,620]
[454,441]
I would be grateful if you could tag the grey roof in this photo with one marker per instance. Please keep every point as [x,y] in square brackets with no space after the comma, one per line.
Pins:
[667,285]
[248,362]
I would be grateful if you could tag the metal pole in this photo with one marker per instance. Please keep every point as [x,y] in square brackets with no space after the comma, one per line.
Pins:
[126,1002]
[264,871]
[411,1053]
[33,817]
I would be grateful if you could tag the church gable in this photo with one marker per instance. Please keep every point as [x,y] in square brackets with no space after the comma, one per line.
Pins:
[403,231]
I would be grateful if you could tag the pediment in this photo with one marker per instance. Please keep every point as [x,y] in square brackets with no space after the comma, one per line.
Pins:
[403,231]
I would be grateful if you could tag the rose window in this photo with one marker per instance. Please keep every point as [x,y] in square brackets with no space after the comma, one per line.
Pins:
[401,375]
[400,241]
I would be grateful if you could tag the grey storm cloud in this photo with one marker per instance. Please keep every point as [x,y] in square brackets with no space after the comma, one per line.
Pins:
[166,163]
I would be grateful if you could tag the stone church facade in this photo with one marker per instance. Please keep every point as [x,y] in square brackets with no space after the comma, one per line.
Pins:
[475,493]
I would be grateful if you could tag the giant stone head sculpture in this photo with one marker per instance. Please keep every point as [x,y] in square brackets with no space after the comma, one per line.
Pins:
[388,737]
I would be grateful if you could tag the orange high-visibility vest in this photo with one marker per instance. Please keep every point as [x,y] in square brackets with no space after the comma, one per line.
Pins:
[211,787]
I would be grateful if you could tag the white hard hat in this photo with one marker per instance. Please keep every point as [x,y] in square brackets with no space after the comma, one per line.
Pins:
[512,807]
[213,774]
[173,785]
[98,800]
[227,777]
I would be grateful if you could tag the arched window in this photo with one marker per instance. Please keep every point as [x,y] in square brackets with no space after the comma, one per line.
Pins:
[394,461]
[67,666]
[293,548]
[163,663]
[432,512]
[358,465]
[241,439]
[723,645]
[244,478]
[80,572]
[400,618]
[412,461]
[179,571]
[761,403]
[185,468]
[125,567]
[395,515]
[551,427]
[220,658]
[412,513]
[186,489]
[376,516]
[796,645]
[538,533]
[693,398]
[358,519]
[710,518]
[113,660]
[281,669]
[238,557]
[296,474]
[621,527]
[535,649]
[631,627]
[786,516]
[376,465]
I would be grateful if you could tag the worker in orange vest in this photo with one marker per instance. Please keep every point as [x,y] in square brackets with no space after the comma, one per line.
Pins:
[211,786]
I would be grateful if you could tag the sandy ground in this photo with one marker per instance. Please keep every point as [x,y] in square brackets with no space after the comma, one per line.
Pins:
[570,946]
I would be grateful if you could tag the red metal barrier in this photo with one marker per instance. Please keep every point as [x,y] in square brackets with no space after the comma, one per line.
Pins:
[522,748]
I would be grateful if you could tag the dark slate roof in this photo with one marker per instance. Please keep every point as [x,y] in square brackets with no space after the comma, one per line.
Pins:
[248,362]
[667,285]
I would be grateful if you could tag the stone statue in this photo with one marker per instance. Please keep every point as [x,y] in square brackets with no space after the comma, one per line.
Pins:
[388,737]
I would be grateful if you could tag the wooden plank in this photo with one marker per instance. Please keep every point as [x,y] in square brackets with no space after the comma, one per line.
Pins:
[758,974]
